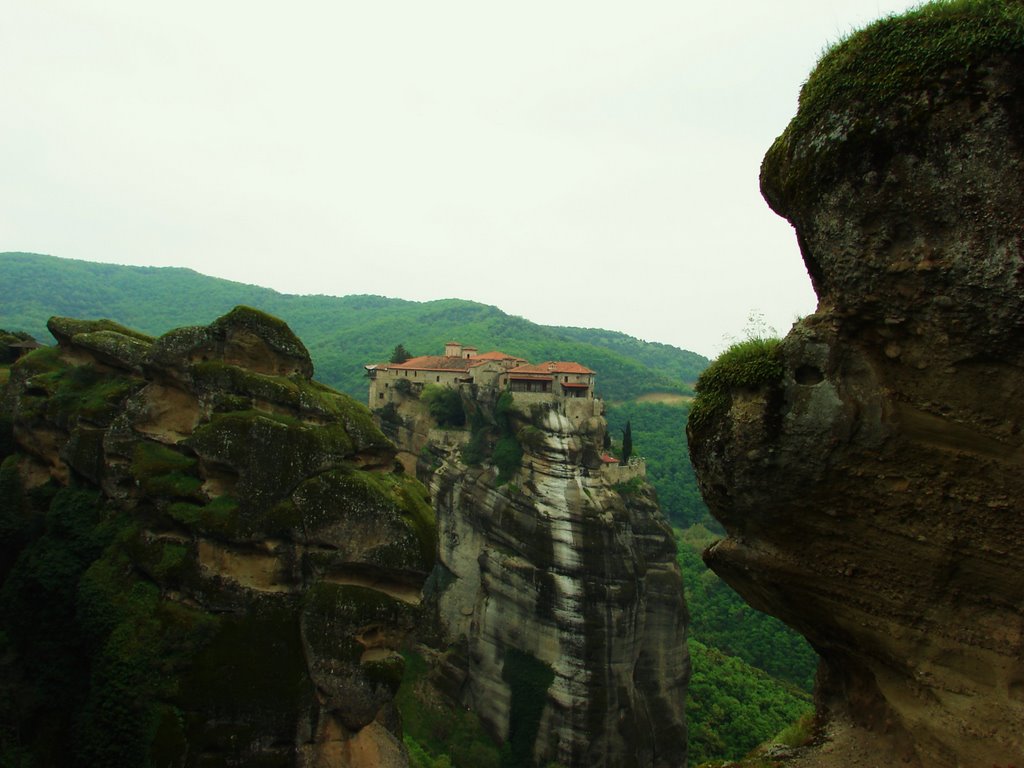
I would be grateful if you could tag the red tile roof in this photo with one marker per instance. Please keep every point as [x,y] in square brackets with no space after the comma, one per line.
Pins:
[448,363]
[552,366]
[430,363]
[495,355]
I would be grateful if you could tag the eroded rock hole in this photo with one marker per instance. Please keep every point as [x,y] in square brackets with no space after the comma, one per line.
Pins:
[809,375]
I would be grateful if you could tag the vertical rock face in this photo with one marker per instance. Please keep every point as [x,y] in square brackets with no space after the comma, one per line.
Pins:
[872,493]
[240,558]
[564,596]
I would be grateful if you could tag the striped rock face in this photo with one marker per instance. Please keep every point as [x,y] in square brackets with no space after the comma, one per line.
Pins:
[562,594]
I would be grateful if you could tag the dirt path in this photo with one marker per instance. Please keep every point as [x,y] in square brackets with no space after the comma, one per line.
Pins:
[846,746]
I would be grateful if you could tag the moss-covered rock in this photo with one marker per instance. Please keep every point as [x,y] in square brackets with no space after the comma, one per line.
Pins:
[232,556]
[64,329]
[877,89]
[245,336]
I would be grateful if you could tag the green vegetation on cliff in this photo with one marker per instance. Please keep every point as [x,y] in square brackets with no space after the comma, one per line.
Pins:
[437,732]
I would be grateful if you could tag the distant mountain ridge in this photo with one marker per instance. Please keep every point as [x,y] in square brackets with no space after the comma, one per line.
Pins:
[342,333]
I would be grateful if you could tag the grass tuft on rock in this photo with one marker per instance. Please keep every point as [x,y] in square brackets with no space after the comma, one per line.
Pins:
[747,365]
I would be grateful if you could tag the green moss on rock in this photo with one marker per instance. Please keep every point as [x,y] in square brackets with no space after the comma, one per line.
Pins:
[165,473]
[218,518]
[152,679]
[335,613]
[910,52]
[300,395]
[64,329]
[904,62]
[376,501]
[273,330]
[386,672]
[271,453]
[65,394]
[42,360]
[234,699]
[114,347]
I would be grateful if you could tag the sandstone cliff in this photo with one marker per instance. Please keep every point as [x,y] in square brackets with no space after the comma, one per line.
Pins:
[558,594]
[209,558]
[867,470]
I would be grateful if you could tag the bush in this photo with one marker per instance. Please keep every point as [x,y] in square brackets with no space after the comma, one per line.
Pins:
[389,415]
[445,406]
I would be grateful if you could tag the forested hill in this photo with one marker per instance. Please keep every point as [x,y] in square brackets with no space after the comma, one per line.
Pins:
[342,333]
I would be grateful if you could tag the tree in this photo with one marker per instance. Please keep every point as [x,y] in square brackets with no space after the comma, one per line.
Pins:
[400,355]
[627,444]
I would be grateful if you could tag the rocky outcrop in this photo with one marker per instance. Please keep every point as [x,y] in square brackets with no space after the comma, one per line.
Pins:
[869,479]
[558,593]
[241,558]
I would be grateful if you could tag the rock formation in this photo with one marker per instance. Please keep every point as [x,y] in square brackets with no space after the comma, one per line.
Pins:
[869,477]
[558,593]
[237,557]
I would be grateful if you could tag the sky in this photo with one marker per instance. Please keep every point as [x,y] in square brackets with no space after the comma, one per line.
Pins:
[576,163]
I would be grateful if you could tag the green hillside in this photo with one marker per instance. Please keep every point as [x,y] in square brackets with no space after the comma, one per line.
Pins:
[342,333]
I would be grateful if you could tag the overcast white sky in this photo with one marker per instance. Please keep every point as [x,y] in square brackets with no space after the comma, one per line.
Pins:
[577,163]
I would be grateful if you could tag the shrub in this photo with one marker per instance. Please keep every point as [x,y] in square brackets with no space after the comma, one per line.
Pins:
[798,733]
[507,457]
[631,487]
[474,452]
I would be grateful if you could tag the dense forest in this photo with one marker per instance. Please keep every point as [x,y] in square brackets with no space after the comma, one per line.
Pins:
[752,675]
